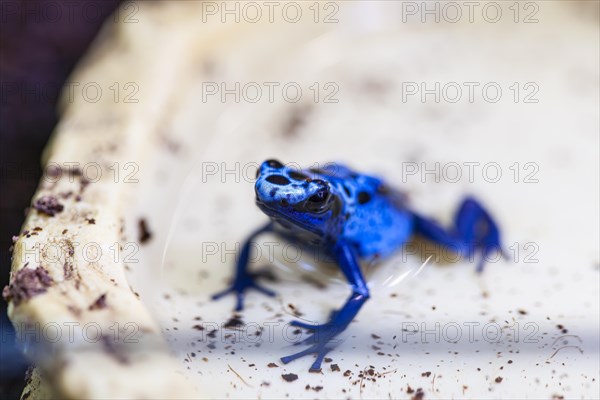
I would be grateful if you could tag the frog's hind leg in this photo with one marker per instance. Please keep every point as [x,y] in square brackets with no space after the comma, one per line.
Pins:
[474,230]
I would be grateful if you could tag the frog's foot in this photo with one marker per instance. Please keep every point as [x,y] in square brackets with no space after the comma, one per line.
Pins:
[478,230]
[322,341]
[239,286]
[474,231]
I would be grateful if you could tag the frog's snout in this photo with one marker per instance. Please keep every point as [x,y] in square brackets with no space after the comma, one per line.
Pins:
[270,171]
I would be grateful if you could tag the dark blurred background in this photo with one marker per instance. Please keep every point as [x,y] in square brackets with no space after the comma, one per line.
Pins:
[40,44]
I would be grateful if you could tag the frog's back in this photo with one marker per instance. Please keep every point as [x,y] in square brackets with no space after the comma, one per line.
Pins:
[377,221]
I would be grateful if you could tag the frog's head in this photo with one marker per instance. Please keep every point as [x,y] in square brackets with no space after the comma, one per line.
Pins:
[290,196]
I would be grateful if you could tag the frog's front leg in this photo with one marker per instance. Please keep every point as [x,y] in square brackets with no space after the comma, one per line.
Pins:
[243,279]
[322,339]
[474,230]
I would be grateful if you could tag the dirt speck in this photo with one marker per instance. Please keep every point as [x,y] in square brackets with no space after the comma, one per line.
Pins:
[48,205]
[289,377]
[99,304]
[234,322]
[144,233]
[26,284]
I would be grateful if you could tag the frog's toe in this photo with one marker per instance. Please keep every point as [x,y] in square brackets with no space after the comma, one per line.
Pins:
[239,287]
[306,325]
[264,290]
[290,358]
[222,293]
[320,349]
[490,253]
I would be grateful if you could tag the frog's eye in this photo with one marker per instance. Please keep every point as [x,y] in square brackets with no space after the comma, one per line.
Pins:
[319,201]
[318,197]
[274,163]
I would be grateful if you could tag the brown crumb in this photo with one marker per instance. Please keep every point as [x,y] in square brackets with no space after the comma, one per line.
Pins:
[419,395]
[426,374]
[99,304]
[335,367]
[498,379]
[145,235]
[26,284]
[295,310]
[48,205]
[272,365]
[234,322]
[289,377]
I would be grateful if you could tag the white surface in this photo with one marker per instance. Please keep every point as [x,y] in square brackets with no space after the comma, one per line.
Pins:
[372,129]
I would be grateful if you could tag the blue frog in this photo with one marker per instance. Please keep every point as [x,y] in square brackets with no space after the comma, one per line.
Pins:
[351,217]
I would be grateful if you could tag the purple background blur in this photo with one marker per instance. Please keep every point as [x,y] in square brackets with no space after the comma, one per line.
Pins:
[40,43]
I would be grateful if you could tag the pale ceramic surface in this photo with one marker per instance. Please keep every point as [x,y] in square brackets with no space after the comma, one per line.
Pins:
[371,128]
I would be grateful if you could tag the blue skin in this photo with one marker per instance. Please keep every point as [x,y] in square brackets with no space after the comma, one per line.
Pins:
[351,216]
